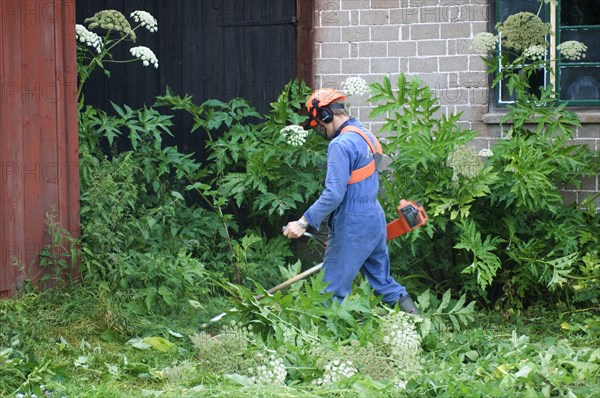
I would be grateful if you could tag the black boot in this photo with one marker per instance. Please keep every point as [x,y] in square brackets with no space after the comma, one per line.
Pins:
[407,305]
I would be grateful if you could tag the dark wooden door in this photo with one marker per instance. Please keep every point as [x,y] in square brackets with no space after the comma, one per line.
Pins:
[218,49]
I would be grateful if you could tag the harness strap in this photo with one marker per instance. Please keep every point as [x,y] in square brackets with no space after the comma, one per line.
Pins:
[367,171]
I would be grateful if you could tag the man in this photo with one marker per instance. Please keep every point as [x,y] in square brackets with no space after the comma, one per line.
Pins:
[356,221]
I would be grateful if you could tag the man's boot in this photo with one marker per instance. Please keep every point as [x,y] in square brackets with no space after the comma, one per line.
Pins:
[407,305]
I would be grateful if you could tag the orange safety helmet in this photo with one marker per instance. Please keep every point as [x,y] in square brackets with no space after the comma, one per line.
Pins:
[317,105]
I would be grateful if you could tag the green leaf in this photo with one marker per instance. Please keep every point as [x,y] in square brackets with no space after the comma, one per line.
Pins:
[459,304]
[195,304]
[445,301]
[139,344]
[561,268]
[151,222]
[524,371]
[424,299]
[167,295]
[158,343]
[175,334]
[240,379]
[177,195]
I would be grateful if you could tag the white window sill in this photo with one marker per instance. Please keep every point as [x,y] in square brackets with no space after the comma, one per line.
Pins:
[585,115]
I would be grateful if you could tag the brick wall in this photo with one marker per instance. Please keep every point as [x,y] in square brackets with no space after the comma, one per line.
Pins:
[426,38]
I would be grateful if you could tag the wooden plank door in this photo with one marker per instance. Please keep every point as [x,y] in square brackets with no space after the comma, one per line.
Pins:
[210,49]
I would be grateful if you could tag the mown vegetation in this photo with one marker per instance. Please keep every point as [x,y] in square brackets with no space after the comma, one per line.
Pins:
[506,275]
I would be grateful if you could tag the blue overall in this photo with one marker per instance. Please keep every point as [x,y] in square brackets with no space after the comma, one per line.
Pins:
[357,225]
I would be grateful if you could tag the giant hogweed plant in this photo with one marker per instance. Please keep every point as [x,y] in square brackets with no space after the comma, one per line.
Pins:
[259,170]
[138,232]
[498,226]
[140,236]
[95,51]
[261,167]
[152,200]
[148,200]
[539,159]
[430,163]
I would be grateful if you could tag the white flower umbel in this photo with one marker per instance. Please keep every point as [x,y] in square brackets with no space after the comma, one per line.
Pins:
[270,370]
[90,39]
[145,54]
[572,50]
[464,162]
[294,135]
[355,85]
[402,340]
[145,19]
[484,42]
[485,153]
[535,53]
[335,371]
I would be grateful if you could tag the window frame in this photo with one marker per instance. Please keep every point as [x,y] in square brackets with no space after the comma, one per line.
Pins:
[546,76]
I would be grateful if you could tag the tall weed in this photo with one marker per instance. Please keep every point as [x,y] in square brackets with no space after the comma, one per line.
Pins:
[153,216]
[498,229]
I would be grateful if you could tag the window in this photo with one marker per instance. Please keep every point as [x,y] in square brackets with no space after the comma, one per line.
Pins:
[577,82]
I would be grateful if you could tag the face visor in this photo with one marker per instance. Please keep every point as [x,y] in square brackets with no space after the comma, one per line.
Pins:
[313,113]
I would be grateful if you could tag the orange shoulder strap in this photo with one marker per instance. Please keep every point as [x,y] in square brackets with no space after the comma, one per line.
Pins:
[368,170]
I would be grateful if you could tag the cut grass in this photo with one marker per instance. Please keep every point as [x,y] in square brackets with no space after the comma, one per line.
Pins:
[77,343]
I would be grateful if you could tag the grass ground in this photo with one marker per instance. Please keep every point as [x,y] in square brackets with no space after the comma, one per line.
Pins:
[82,343]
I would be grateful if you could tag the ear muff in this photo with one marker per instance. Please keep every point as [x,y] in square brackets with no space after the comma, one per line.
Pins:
[320,104]
[324,114]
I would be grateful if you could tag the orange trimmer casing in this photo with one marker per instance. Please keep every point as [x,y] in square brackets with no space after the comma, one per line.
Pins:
[412,216]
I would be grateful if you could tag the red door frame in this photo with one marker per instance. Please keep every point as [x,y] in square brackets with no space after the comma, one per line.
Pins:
[39,168]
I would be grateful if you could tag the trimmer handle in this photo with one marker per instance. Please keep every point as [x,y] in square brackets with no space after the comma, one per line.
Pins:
[310,236]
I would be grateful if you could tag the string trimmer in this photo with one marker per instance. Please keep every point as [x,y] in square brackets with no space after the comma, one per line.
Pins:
[411,216]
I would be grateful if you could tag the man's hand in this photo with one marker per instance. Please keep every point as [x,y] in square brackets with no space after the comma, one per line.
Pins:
[294,230]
